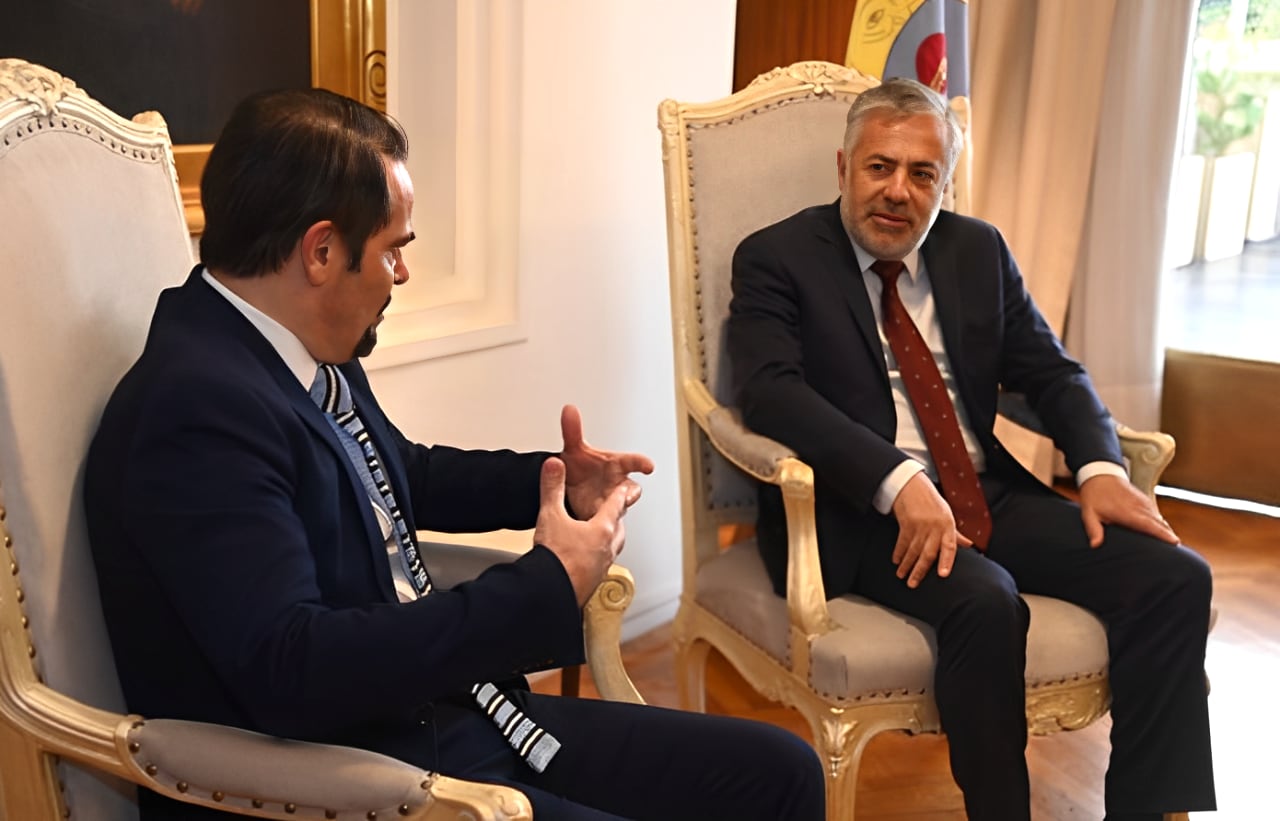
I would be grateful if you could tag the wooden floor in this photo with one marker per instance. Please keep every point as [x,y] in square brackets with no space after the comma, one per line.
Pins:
[907,778]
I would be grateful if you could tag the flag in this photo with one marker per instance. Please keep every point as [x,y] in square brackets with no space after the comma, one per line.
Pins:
[926,40]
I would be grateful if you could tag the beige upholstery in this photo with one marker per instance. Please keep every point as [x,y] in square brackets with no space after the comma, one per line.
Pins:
[91,229]
[852,668]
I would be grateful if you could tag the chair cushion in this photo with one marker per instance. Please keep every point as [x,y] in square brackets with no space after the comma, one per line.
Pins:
[879,651]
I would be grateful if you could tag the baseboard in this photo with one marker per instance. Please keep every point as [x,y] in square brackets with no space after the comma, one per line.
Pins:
[1222,412]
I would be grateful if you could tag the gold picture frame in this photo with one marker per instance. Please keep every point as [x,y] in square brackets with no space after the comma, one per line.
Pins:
[348,55]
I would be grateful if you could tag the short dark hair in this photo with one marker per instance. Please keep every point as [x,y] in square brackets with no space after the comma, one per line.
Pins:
[286,160]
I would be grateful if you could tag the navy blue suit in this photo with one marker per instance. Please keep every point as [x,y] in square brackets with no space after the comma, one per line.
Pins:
[245,581]
[809,370]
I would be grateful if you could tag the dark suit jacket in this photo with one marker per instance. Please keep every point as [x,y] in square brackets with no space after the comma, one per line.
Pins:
[243,576]
[809,370]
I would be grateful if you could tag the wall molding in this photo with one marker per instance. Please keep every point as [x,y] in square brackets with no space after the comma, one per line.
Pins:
[469,109]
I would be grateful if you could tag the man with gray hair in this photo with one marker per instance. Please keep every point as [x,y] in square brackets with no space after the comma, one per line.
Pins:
[872,336]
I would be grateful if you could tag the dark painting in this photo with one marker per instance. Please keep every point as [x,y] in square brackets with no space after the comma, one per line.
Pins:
[191,60]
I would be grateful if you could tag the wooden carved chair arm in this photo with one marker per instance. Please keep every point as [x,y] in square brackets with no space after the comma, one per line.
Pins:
[602,623]
[1148,452]
[450,564]
[769,461]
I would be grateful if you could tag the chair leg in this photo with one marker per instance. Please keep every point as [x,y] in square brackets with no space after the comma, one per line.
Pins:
[691,674]
[571,680]
[840,740]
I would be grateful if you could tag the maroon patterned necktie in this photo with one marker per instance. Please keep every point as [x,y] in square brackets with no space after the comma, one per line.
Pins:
[937,416]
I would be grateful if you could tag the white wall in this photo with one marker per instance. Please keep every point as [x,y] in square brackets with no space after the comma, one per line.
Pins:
[591,256]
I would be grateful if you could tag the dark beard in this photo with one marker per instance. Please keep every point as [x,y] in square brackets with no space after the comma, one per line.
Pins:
[367,342]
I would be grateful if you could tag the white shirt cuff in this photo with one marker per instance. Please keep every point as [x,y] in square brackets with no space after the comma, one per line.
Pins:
[1092,469]
[893,484]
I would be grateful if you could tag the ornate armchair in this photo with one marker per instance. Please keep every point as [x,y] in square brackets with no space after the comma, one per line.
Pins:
[91,229]
[850,667]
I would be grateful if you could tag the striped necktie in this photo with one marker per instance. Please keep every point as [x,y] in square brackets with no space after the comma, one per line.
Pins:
[332,393]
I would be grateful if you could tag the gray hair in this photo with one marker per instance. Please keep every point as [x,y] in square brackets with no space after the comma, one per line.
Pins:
[905,97]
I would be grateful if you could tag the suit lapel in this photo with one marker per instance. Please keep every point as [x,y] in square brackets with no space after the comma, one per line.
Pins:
[213,307]
[841,264]
[945,280]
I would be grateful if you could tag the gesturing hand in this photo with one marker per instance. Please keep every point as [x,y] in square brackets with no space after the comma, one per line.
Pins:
[593,475]
[585,548]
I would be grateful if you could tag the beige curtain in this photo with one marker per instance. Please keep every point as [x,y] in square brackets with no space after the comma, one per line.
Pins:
[1075,114]
[1112,316]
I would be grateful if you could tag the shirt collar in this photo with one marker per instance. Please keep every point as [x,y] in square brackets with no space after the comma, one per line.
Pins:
[289,347]
[866,258]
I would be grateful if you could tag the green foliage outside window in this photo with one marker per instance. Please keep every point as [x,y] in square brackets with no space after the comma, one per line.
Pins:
[1230,94]
[1225,113]
[1262,20]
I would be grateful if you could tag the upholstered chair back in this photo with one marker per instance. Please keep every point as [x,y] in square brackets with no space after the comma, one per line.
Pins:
[91,229]
[750,171]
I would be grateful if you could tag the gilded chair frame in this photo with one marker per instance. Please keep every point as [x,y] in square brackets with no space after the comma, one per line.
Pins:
[709,431]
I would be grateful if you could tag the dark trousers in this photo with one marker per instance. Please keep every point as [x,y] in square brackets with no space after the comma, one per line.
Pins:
[1153,599]
[628,761]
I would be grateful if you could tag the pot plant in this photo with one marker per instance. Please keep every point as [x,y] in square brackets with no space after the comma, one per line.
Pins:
[1226,117]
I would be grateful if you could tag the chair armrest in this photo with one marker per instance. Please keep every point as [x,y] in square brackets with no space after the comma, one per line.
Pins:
[1148,452]
[758,456]
[451,564]
[233,769]
[602,623]
[770,461]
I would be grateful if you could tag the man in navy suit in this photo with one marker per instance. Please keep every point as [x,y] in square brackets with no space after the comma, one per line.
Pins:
[919,507]
[256,572]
